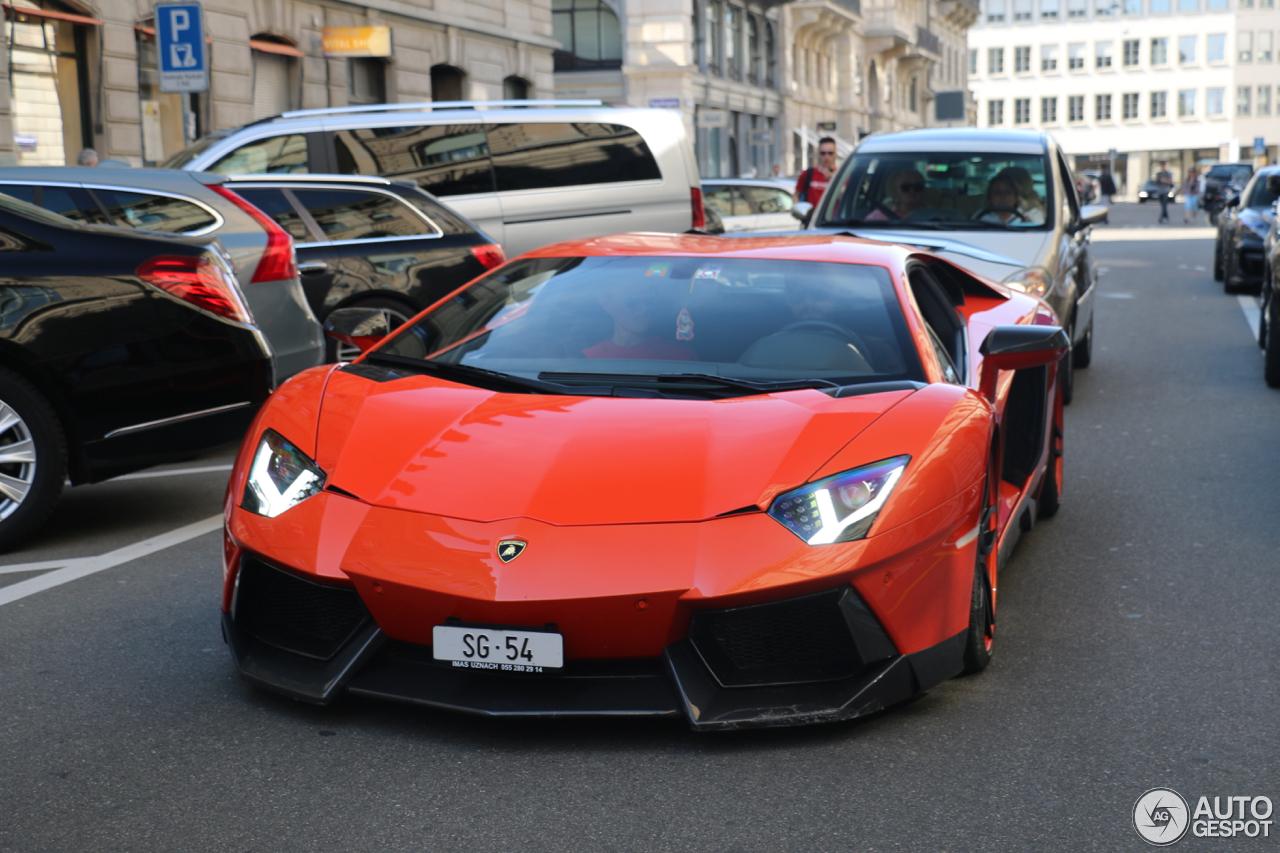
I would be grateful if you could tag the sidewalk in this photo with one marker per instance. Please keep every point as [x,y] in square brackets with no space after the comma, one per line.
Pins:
[1134,221]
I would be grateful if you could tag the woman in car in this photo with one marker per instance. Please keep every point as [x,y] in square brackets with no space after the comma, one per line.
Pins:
[1012,199]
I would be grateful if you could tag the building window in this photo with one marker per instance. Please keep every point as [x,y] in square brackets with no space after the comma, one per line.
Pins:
[1215,47]
[1022,111]
[1130,106]
[1049,57]
[366,81]
[1215,101]
[1159,104]
[1075,56]
[1264,47]
[1103,8]
[995,60]
[715,16]
[770,57]
[1102,107]
[272,81]
[1133,7]
[515,89]
[1022,10]
[755,66]
[1049,10]
[973,62]
[1244,98]
[1131,51]
[1022,60]
[589,32]
[1264,100]
[1077,9]
[1160,51]
[1244,41]
[1048,110]
[1075,108]
[448,83]
[1102,55]
[995,11]
[1159,7]
[1188,5]
[732,28]
[995,113]
[1186,50]
[1216,5]
[1186,103]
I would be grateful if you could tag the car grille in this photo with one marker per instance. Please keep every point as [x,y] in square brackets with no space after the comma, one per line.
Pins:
[808,638]
[293,613]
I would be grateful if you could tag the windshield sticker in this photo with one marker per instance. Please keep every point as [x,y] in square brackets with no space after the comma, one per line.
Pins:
[684,326]
[658,270]
[707,272]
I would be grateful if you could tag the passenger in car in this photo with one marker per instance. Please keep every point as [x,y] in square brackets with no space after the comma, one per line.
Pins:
[1012,198]
[906,190]
[632,307]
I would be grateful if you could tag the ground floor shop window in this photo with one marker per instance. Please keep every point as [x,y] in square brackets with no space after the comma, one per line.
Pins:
[49,85]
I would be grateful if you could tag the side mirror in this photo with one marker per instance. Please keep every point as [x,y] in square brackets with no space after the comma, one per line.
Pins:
[359,327]
[1232,200]
[1016,347]
[1273,184]
[802,210]
[1092,214]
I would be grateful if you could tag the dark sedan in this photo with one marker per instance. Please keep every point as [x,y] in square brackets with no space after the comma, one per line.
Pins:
[1152,190]
[119,350]
[1242,227]
[369,242]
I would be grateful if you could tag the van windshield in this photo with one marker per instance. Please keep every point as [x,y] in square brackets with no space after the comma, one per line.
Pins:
[941,191]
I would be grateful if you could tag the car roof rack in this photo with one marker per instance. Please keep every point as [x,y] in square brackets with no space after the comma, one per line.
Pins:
[427,106]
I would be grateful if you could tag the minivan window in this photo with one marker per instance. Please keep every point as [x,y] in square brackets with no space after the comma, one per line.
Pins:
[533,156]
[154,212]
[442,159]
[276,155]
[361,215]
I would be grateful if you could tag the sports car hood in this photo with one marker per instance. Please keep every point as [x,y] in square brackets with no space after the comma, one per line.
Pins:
[425,445]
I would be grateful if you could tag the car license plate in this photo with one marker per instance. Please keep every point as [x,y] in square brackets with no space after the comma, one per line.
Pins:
[500,649]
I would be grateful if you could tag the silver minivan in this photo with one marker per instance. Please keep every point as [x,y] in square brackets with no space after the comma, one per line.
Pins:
[527,173]
[1002,203]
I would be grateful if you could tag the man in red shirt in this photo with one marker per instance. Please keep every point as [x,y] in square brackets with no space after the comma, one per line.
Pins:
[813,181]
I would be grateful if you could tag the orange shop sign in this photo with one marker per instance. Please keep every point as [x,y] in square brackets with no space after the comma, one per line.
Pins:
[356,41]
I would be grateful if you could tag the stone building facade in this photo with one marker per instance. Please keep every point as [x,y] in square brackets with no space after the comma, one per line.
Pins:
[83,73]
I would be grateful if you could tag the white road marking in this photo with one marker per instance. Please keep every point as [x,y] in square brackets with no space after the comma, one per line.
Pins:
[171,472]
[1252,312]
[19,568]
[1128,235]
[74,569]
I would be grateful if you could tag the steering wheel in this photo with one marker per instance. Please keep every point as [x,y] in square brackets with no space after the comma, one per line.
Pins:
[830,328]
[986,210]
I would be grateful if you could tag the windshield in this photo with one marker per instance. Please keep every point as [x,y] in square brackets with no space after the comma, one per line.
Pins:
[1260,195]
[620,321]
[941,191]
[186,155]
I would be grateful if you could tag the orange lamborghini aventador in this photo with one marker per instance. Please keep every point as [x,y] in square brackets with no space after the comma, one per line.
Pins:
[749,482]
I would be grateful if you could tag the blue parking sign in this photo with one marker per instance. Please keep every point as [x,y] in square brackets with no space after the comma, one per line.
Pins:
[180,43]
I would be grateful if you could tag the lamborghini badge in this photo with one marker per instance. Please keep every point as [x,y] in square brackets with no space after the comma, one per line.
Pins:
[509,549]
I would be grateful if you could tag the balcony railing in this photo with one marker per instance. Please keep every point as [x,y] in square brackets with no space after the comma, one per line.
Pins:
[927,40]
[853,6]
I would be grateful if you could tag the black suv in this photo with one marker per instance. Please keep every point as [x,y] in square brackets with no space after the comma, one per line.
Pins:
[370,242]
[1223,179]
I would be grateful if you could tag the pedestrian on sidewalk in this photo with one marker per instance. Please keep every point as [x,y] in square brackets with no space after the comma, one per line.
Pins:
[1164,178]
[1107,184]
[812,182]
[1191,196]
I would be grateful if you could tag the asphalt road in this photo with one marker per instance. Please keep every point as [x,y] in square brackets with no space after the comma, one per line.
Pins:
[1137,647]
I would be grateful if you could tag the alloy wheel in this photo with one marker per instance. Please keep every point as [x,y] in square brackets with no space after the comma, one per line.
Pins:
[17,460]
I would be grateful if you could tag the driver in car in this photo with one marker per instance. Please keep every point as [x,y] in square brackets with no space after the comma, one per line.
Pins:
[631,306]
[1011,197]
[907,187]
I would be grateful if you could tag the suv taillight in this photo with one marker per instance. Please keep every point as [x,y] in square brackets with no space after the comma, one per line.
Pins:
[699,215]
[279,260]
[490,255]
[198,280]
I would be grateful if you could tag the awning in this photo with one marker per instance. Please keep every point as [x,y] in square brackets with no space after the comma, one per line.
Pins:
[275,47]
[51,15]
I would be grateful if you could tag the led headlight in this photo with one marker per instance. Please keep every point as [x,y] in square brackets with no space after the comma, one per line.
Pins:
[841,508]
[1033,280]
[1255,222]
[280,477]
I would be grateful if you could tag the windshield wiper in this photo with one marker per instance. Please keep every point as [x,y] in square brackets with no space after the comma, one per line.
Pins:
[465,374]
[684,382]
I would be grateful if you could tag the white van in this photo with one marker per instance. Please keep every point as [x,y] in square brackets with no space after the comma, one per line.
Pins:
[527,173]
